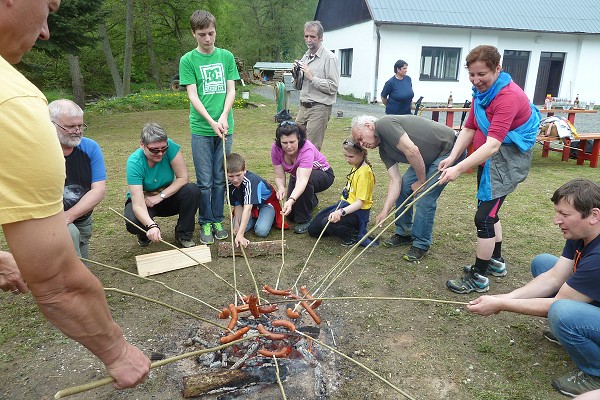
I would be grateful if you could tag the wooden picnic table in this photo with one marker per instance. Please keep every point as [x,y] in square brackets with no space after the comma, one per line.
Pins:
[582,137]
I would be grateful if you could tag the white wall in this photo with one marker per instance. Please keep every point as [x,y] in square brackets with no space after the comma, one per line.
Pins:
[363,40]
[405,42]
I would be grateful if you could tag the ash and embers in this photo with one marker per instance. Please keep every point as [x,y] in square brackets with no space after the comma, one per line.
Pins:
[247,370]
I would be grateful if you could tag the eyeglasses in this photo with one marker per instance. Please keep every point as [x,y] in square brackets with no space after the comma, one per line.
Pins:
[285,123]
[156,151]
[72,129]
[352,144]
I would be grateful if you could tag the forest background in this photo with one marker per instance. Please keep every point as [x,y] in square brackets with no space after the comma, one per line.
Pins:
[111,48]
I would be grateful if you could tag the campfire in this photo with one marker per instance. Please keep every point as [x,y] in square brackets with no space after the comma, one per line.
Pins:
[285,348]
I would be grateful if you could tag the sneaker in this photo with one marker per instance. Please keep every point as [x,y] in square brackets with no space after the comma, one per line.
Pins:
[397,240]
[547,333]
[218,231]
[143,241]
[576,383]
[185,243]
[414,254]
[497,267]
[206,236]
[469,282]
[303,227]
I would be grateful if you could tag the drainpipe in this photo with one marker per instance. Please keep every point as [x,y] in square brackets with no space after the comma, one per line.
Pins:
[377,62]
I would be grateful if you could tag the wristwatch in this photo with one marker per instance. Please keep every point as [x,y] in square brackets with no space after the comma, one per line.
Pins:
[343,212]
[162,195]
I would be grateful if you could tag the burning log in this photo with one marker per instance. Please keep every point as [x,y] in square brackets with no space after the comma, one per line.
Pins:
[254,249]
[199,384]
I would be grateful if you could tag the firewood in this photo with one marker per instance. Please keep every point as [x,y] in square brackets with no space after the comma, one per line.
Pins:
[198,384]
[254,249]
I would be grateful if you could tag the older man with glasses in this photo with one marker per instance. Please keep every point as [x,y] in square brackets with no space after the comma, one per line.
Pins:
[159,186]
[85,185]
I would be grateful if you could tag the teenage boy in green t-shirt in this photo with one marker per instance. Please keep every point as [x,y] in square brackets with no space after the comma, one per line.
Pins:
[209,74]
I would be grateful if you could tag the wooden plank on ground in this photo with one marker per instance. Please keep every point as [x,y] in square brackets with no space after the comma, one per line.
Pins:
[254,249]
[170,260]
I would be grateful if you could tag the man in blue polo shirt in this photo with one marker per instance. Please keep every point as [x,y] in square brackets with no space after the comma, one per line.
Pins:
[85,185]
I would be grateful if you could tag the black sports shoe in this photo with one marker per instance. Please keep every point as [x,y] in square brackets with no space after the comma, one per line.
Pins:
[143,241]
[397,240]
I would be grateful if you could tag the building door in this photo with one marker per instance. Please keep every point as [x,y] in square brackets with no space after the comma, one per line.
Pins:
[515,63]
[549,75]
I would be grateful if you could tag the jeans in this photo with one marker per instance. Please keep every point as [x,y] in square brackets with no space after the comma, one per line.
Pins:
[576,325]
[183,203]
[81,233]
[422,227]
[542,263]
[263,223]
[207,152]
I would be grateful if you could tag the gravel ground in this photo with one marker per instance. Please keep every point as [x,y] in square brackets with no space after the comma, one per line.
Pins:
[584,122]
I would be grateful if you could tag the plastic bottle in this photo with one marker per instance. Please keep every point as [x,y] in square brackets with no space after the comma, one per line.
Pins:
[450,101]
[548,102]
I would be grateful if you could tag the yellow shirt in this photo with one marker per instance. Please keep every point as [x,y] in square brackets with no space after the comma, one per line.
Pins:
[360,185]
[32,166]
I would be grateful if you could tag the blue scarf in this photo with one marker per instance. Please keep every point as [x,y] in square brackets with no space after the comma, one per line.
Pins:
[523,136]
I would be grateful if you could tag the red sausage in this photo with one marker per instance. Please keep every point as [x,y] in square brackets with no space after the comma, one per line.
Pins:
[224,314]
[269,289]
[287,324]
[234,317]
[253,305]
[268,308]
[292,314]
[242,308]
[234,336]
[311,312]
[279,353]
[305,293]
[271,336]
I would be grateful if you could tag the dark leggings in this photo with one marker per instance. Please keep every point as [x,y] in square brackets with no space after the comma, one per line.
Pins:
[345,228]
[487,214]
[302,209]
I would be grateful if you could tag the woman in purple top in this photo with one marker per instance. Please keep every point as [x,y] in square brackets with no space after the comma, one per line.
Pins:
[310,173]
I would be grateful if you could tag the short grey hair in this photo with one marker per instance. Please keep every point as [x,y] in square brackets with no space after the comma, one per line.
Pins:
[361,121]
[64,107]
[152,133]
[317,25]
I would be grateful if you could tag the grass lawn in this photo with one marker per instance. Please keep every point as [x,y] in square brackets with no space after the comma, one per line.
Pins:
[430,351]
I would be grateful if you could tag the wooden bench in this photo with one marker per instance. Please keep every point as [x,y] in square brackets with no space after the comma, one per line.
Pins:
[581,154]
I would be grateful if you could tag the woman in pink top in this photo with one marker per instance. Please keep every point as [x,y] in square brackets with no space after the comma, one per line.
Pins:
[310,173]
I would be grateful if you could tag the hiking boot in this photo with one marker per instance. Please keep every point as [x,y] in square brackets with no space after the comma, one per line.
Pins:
[218,231]
[576,383]
[206,236]
[143,241]
[495,268]
[397,240]
[303,227]
[414,254]
[185,243]
[469,282]
[547,333]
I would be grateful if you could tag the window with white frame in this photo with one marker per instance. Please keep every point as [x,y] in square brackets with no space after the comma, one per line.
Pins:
[439,63]
[346,62]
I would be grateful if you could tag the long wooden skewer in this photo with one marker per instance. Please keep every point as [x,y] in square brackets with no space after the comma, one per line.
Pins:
[109,379]
[369,370]
[178,249]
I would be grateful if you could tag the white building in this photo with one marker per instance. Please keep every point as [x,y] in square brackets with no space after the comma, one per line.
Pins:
[548,46]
